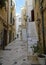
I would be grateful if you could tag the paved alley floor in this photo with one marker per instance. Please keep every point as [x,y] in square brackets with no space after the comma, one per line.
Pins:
[15,53]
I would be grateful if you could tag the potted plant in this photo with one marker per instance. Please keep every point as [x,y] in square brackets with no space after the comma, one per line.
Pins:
[41,57]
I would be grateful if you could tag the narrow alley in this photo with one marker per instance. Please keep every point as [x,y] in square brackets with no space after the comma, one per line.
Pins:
[22,32]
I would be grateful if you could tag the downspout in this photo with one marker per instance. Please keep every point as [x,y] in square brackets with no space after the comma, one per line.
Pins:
[43,32]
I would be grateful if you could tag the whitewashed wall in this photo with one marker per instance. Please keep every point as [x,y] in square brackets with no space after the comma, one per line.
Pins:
[18,22]
[24,35]
[29,7]
[31,28]
[32,31]
[32,36]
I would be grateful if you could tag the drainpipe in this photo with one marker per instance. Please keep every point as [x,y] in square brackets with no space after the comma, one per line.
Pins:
[7,21]
[43,33]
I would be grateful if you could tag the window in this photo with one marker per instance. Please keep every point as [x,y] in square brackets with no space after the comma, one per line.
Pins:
[19,19]
[32,15]
[13,21]
[11,2]
[35,2]
[11,18]
[29,20]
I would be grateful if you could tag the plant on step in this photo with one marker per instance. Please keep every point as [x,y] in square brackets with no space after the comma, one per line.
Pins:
[36,49]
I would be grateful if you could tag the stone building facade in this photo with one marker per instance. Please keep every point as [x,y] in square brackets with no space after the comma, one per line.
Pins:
[40,19]
[3,26]
[7,24]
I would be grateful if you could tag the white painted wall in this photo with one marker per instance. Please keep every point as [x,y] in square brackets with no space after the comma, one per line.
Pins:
[17,22]
[31,28]
[24,35]
[32,36]
[29,7]
[32,33]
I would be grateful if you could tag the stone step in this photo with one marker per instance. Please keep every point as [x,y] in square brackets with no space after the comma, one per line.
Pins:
[35,64]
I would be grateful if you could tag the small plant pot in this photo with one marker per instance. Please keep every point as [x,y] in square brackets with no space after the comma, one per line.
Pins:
[41,59]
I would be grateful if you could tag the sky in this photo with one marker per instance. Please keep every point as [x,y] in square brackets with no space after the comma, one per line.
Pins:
[19,5]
